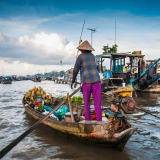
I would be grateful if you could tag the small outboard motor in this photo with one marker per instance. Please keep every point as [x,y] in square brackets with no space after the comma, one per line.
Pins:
[128,104]
[123,99]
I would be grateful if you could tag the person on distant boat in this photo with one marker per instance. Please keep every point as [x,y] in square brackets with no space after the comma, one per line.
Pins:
[90,79]
[151,71]
[135,67]
[124,69]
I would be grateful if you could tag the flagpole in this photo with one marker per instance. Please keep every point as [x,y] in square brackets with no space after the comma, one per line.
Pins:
[115,31]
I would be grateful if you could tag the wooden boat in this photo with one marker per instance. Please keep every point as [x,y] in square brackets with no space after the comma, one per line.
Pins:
[135,71]
[151,89]
[37,80]
[96,132]
[6,82]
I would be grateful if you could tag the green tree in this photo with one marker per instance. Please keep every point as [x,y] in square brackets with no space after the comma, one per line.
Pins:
[113,49]
[105,48]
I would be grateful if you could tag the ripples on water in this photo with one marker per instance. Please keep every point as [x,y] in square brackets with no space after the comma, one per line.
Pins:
[45,143]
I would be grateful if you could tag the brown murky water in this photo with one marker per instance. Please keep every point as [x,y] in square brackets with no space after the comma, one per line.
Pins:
[45,143]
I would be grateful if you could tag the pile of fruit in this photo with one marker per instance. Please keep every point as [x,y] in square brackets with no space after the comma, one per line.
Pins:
[32,95]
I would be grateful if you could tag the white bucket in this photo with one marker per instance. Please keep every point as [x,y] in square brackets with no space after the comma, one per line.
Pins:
[123,84]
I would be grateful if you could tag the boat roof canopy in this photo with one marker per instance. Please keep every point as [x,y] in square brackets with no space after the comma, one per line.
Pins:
[108,55]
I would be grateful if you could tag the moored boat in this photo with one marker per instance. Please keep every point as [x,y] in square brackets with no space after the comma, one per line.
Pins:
[98,132]
[138,72]
[6,80]
[36,80]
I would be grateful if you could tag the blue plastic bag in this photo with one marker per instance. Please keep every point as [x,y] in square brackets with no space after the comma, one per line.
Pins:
[109,112]
[60,112]
[47,108]
[107,74]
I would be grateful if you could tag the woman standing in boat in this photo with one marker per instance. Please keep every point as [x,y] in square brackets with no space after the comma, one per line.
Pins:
[90,79]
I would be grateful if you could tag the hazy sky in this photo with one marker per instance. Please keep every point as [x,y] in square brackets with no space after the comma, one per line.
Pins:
[36,34]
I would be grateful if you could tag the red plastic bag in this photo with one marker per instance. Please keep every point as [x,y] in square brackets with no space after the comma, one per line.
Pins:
[93,116]
[38,103]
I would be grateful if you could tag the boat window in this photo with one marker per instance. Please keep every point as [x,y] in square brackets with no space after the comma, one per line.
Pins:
[117,64]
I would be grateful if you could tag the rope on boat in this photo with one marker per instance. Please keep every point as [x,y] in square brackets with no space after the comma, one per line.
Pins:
[147,112]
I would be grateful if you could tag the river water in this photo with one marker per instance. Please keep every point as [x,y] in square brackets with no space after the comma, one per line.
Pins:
[45,143]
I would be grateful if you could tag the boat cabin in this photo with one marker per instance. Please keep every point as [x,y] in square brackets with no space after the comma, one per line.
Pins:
[122,67]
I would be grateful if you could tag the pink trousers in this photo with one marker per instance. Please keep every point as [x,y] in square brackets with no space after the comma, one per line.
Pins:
[95,90]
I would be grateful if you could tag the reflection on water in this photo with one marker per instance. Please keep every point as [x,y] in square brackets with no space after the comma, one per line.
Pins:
[45,143]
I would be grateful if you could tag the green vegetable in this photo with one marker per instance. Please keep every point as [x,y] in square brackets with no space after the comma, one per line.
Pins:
[78,100]
[41,108]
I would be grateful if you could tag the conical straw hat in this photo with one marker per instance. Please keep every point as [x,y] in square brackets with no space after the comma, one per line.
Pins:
[85,46]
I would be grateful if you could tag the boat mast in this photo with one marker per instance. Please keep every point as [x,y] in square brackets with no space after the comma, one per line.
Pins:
[61,64]
[81,37]
[115,31]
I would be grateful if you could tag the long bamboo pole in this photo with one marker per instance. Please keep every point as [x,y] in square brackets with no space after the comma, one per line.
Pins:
[70,108]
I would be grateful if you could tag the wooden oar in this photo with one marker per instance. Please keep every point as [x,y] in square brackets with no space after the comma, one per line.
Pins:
[23,135]
[147,112]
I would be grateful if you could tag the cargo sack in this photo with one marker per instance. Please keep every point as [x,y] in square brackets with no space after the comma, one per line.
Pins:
[47,108]
[109,112]
[60,112]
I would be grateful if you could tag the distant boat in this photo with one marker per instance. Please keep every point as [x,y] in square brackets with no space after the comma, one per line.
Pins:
[6,80]
[43,79]
[36,78]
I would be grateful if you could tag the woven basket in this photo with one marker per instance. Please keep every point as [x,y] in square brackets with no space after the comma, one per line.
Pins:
[137,52]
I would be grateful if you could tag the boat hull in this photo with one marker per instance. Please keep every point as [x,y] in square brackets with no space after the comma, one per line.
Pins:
[36,80]
[6,82]
[151,89]
[87,132]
